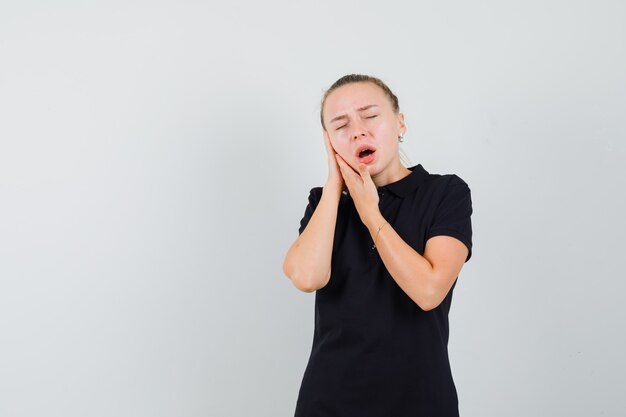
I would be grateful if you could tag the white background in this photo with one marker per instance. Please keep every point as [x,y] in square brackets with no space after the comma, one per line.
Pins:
[155,162]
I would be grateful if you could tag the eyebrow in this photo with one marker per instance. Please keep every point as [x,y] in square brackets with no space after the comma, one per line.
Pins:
[345,116]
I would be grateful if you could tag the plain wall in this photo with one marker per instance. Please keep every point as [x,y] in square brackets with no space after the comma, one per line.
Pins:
[155,162]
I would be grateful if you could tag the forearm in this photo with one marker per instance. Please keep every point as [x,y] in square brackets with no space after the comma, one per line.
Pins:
[413,273]
[308,260]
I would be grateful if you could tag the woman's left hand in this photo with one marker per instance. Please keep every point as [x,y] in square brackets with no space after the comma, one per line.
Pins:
[362,190]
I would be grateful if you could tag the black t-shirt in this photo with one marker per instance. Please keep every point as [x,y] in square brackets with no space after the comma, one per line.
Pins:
[375,351]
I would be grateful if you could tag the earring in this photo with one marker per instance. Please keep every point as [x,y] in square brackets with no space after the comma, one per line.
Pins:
[401,138]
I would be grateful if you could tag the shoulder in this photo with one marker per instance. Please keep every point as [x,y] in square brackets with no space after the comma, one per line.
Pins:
[315,194]
[450,209]
[317,191]
[445,180]
[447,194]
[440,185]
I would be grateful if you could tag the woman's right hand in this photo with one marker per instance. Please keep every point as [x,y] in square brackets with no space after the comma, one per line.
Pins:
[335,179]
[308,261]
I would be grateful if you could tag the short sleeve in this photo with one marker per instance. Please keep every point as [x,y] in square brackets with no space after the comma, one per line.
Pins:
[314,198]
[452,216]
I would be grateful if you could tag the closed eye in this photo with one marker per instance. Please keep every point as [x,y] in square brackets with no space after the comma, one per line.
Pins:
[371,117]
[340,127]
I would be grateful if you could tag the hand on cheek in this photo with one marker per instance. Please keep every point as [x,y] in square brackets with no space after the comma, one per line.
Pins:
[362,189]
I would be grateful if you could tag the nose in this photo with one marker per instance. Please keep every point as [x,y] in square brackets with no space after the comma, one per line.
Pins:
[358,131]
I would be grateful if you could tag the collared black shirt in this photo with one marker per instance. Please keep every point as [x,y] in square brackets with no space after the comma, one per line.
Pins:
[375,351]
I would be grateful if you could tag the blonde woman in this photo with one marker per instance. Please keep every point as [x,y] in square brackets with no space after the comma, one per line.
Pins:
[382,246]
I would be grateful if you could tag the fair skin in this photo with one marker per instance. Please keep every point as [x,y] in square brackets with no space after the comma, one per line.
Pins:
[357,115]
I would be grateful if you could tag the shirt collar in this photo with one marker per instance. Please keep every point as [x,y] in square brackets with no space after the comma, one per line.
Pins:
[408,184]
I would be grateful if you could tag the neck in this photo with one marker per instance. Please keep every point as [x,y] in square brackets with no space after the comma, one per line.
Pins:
[394,172]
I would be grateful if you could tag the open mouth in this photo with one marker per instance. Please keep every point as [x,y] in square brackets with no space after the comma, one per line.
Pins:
[365,153]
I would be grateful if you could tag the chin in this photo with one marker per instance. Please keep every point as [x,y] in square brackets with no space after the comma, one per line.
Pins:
[372,169]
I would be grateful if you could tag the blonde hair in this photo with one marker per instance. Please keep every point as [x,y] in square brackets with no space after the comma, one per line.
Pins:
[359,78]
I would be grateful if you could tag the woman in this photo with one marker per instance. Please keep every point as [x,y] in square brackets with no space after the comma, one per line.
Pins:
[382,246]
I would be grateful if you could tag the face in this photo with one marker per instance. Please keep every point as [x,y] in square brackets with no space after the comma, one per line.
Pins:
[363,127]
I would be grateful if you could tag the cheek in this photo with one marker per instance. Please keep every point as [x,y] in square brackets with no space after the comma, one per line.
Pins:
[384,129]
[388,135]
[340,147]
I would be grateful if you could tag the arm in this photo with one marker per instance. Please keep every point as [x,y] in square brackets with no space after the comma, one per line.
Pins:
[425,279]
[308,259]
[307,263]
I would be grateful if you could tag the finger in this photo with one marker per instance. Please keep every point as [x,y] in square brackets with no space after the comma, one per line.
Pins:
[345,164]
[365,174]
[327,143]
[345,168]
[341,165]
[347,173]
[363,171]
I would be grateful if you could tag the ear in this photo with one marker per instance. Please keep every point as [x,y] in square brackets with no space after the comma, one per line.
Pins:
[401,125]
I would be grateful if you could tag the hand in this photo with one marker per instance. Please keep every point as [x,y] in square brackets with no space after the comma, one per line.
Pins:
[334,175]
[362,190]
